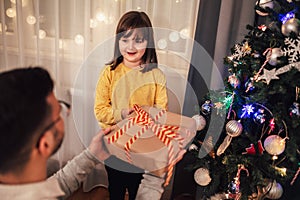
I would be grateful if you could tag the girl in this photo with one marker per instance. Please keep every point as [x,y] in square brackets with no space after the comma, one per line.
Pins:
[132,77]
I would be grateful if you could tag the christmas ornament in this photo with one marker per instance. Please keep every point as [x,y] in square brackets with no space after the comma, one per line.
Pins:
[269,75]
[234,81]
[233,129]
[274,145]
[200,122]
[252,150]
[292,50]
[294,110]
[206,107]
[273,190]
[264,4]
[272,74]
[240,51]
[291,25]
[260,116]
[273,55]
[201,176]
[233,188]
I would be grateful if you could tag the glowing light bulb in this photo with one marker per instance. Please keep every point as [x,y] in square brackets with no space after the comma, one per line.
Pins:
[79,39]
[31,20]
[174,36]
[11,12]
[93,23]
[184,33]
[162,44]
[100,16]
[138,8]
[42,34]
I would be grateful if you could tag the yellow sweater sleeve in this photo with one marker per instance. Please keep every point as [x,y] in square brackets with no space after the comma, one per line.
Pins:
[102,107]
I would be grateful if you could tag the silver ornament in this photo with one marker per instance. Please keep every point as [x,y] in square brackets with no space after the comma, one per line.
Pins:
[201,176]
[275,190]
[234,128]
[274,145]
[274,55]
[291,25]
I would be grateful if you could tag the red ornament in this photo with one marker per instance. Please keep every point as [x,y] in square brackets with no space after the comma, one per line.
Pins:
[252,151]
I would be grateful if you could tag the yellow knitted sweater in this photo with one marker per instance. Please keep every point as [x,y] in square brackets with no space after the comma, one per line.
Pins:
[123,87]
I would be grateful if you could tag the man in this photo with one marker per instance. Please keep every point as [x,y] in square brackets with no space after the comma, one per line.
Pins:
[31,130]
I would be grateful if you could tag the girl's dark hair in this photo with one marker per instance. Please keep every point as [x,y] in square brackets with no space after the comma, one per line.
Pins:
[135,20]
[23,112]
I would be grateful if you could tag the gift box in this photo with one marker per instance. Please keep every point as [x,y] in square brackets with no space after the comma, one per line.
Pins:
[151,138]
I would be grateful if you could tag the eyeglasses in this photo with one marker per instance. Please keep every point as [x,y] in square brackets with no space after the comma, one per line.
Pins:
[65,109]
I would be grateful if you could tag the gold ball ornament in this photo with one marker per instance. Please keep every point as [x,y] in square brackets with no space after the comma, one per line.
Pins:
[200,122]
[291,25]
[274,145]
[273,190]
[234,128]
[201,176]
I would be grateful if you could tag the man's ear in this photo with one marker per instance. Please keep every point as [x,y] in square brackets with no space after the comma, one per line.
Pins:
[46,144]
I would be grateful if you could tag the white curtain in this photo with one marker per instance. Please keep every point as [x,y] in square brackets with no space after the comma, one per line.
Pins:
[73,39]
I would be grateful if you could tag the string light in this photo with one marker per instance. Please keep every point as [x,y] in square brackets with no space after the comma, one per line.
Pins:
[31,20]
[10,12]
[100,16]
[42,34]
[174,36]
[184,33]
[79,39]
[162,44]
[93,23]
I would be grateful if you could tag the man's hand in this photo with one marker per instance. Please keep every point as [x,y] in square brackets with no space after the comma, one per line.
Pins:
[97,147]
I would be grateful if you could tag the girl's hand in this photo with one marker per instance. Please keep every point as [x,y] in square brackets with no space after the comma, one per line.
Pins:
[126,112]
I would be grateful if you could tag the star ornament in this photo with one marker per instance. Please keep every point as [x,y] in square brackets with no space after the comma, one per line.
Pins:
[269,75]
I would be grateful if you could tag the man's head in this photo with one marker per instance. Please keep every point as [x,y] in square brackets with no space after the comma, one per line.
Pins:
[29,117]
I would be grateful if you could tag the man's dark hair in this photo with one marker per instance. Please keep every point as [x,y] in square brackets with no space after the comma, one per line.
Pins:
[23,111]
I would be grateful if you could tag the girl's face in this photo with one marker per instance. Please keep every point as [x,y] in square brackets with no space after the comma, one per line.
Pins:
[132,48]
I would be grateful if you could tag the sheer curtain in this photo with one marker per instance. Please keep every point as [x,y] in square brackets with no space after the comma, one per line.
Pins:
[74,38]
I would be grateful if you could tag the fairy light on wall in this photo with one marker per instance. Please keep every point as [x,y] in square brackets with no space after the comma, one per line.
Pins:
[31,20]
[100,16]
[174,36]
[162,44]
[93,23]
[79,39]
[10,12]
[184,33]
[42,34]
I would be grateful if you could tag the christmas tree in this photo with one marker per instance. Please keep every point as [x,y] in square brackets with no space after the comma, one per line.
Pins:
[256,156]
